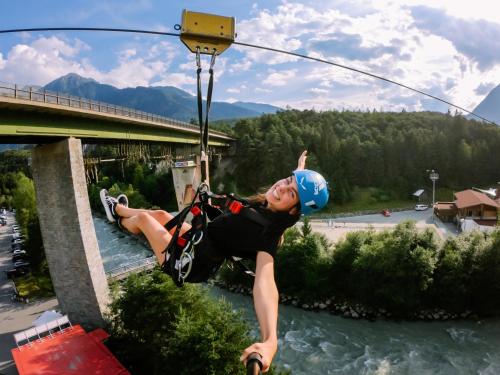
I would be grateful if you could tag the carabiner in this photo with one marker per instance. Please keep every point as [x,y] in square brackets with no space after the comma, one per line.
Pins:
[212,61]
[198,58]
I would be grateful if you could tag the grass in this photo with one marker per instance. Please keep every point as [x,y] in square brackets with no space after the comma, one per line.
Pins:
[34,286]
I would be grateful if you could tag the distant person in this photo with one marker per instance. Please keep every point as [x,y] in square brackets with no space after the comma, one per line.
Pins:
[304,192]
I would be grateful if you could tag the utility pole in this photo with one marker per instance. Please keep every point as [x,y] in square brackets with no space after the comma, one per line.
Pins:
[434,176]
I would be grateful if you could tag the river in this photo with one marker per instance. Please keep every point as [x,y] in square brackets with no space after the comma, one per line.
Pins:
[319,343]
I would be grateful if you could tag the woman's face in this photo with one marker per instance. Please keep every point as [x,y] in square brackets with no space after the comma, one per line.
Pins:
[283,195]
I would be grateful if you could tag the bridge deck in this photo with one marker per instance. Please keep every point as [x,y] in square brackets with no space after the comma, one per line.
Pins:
[26,114]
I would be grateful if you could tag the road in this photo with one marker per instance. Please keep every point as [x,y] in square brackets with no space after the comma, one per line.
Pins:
[336,229]
[14,316]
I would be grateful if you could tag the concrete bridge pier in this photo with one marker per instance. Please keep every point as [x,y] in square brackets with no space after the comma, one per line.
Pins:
[68,232]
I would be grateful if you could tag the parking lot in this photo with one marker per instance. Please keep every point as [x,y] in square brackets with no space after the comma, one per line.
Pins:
[336,229]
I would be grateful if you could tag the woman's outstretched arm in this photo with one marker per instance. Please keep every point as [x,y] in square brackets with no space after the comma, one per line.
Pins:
[302,161]
[266,298]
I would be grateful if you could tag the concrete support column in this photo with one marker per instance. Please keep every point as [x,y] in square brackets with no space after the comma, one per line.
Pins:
[187,178]
[68,232]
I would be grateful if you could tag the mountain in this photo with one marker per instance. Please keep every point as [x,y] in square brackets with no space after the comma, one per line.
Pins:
[162,100]
[490,106]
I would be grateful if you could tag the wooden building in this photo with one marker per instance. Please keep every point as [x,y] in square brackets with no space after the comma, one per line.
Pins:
[469,204]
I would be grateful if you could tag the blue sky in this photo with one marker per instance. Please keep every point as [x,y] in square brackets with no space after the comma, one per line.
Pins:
[447,48]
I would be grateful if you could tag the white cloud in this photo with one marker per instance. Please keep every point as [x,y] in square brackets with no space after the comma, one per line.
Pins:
[46,59]
[233,90]
[133,72]
[260,90]
[240,66]
[280,78]
[128,53]
[318,92]
[43,61]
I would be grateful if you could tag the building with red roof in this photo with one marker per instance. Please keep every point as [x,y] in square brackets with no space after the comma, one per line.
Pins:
[472,205]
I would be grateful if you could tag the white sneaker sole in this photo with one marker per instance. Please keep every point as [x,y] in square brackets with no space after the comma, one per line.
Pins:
[109,215]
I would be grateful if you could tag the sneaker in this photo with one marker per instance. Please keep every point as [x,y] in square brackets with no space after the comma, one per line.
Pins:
[109,203]
[122,199]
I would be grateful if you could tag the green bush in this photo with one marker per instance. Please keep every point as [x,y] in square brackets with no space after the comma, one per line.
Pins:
[301,265]
[341,276]
[395,269]
[485,283]
[157,328]
[451,288]
[392,270]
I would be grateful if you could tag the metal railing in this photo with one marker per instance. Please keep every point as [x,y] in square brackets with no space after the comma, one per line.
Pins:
[65,100]
[137,266]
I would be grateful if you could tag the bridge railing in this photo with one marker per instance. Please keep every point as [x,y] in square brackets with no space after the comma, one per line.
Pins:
[66,100]
[137,266]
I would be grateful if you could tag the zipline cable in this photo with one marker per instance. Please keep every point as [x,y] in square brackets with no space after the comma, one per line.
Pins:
[257,47]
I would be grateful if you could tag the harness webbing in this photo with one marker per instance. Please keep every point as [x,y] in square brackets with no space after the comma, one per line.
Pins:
[204,126]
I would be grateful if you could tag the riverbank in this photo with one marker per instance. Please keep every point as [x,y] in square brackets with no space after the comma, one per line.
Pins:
[355,311]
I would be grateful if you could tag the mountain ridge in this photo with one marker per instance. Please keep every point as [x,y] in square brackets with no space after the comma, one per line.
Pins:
[166,101]
[489,107]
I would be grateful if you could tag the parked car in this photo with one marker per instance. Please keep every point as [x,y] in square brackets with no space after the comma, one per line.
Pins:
[19,252]
[20,264]
[15,272]
[3,222]
[16,246]
[421,207]
[386,212]
[19,257]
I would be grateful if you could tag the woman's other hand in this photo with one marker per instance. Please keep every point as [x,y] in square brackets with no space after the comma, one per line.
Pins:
[302,161]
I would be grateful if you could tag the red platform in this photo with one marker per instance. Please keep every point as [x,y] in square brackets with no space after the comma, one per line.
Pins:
[72,351]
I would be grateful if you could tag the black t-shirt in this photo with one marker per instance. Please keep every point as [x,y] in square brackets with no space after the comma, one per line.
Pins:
[236,235]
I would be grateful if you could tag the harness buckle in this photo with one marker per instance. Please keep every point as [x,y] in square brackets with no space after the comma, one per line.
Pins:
[196,210]
[181,242]
[235,207]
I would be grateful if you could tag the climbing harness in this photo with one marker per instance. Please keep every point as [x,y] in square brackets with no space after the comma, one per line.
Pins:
[186,259]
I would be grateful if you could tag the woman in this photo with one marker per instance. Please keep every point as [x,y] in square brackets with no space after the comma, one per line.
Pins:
[303,192]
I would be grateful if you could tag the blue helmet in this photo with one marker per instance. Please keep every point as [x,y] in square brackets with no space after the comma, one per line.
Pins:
[313,190]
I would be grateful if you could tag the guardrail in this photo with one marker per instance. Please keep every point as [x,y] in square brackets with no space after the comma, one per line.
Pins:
[66,100]
[121,272]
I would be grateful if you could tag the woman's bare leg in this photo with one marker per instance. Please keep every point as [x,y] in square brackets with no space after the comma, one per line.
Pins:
[162,217]
[156,234]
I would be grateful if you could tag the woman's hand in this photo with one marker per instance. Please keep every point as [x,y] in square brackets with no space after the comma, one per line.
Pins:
[267,350]
[302,161]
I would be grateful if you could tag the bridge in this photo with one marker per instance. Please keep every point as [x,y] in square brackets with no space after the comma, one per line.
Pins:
[120,273]
[58,124]
[27,115]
